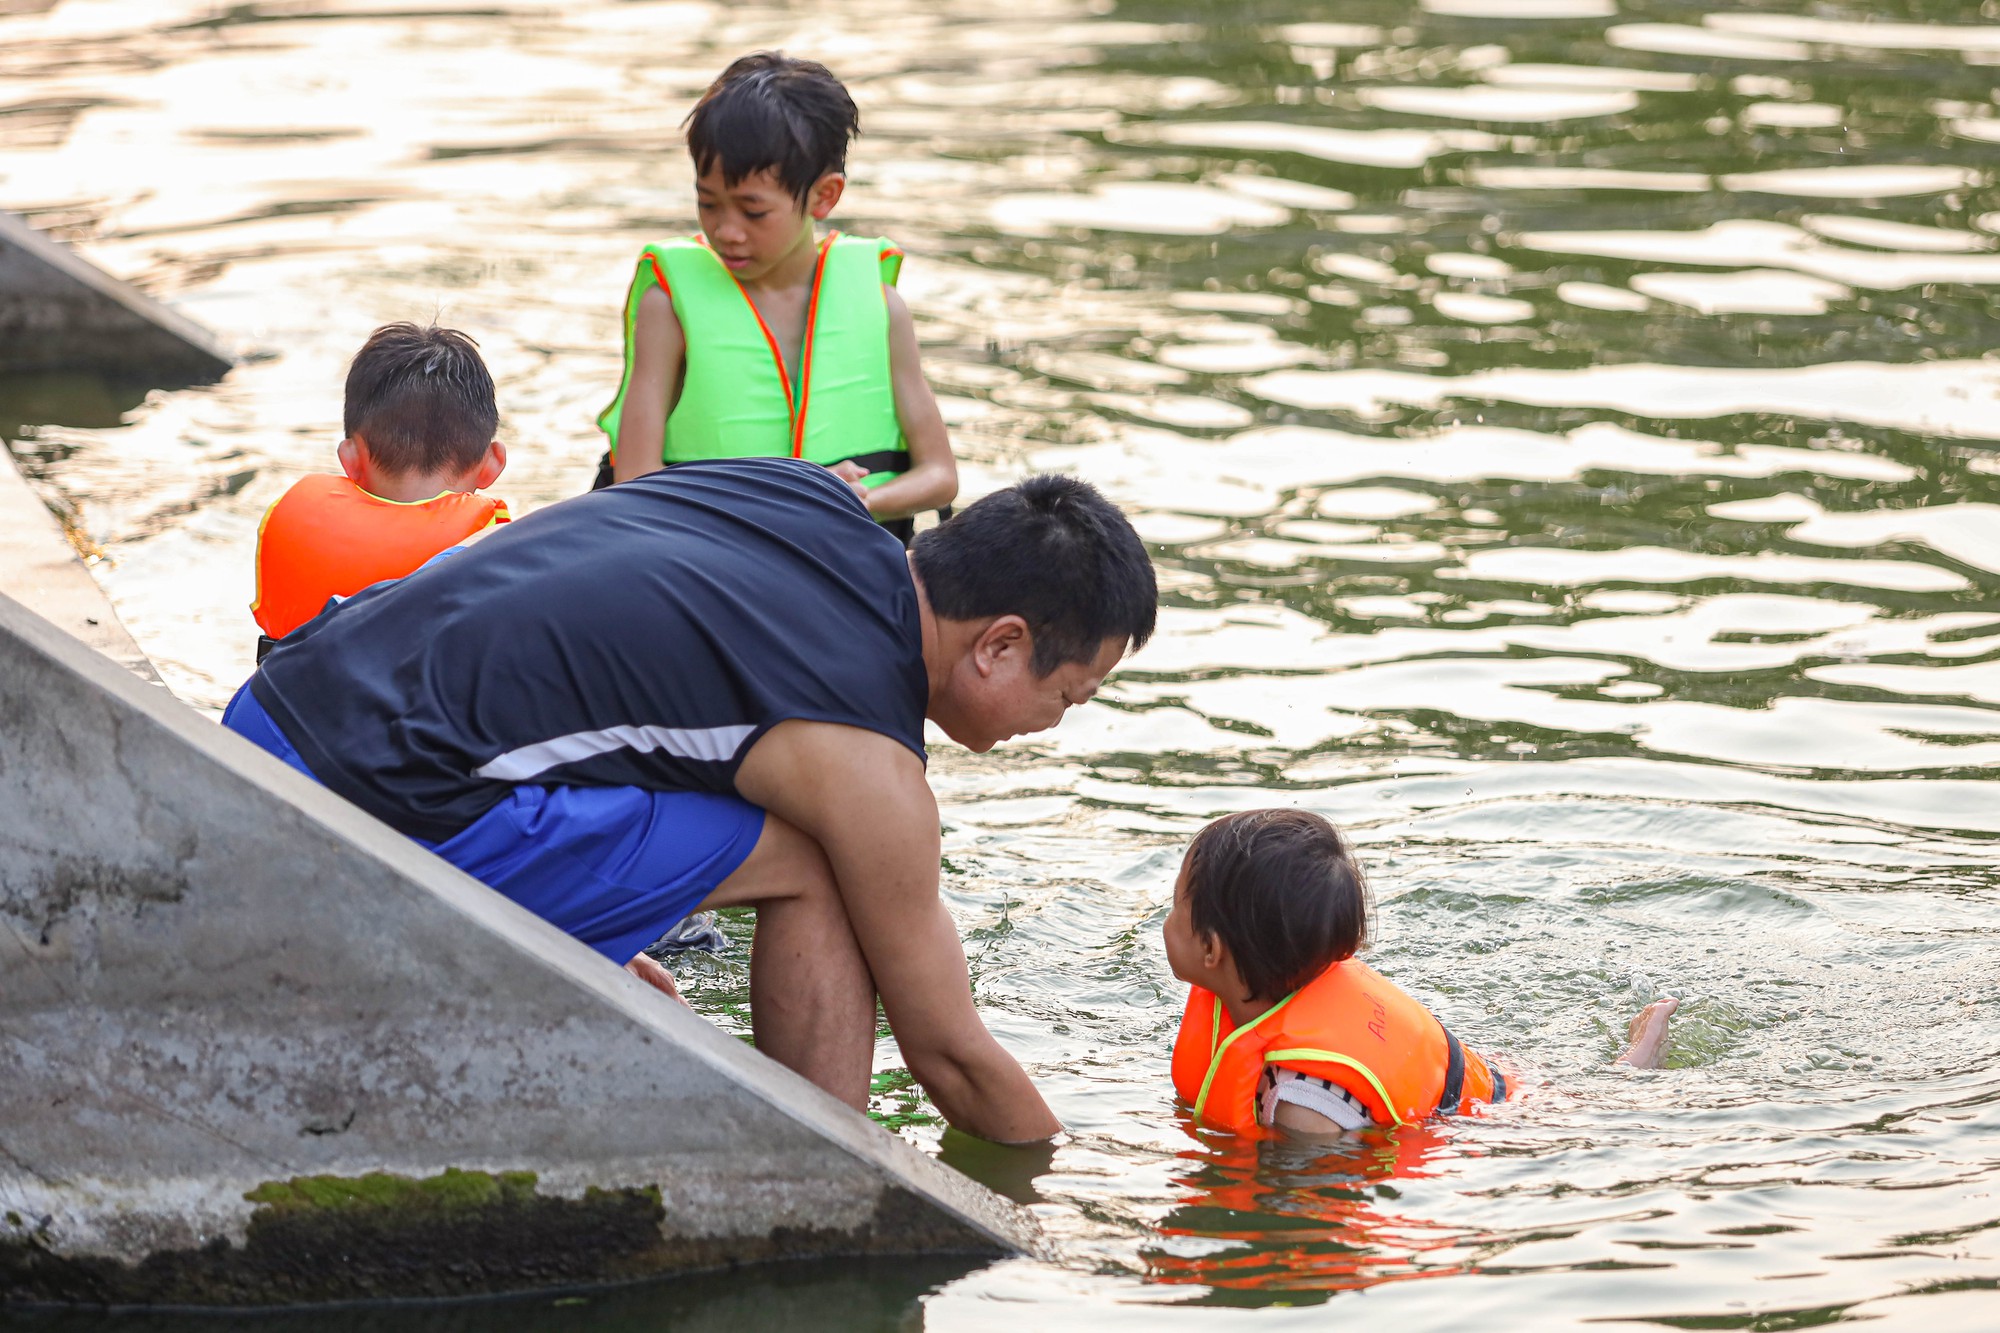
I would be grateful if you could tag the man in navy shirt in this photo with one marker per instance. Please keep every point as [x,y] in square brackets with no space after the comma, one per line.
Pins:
[706,688]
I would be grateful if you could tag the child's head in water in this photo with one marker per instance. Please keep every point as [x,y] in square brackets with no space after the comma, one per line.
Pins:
[769,143]
[1266,901]
[420,415]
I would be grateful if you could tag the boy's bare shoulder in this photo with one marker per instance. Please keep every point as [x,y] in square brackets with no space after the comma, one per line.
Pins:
[656,313]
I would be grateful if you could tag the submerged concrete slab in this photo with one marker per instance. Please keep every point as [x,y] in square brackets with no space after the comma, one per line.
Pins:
[40,569]
[256,1048]
[60,312]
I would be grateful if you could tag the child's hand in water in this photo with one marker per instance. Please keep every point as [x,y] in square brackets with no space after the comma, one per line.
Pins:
[851,472]
[654,975]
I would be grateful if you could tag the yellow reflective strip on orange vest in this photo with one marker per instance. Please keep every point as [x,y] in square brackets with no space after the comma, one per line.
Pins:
[1215,1062]
[257,597]
[1345,1061]
[407,504]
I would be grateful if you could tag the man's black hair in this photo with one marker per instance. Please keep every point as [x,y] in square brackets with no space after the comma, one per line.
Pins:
[768,111]
[1052,551]
[422,400]
[1281,889]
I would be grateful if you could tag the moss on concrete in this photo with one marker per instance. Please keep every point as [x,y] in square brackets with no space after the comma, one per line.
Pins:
[451,1190]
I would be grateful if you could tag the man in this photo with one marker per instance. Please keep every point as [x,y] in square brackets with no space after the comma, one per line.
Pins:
[706,688]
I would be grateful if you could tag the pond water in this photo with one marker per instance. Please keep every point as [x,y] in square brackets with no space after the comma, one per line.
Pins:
[1567,438]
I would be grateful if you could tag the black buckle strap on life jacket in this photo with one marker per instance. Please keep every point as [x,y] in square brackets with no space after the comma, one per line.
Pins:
[895,460]
[883,460]
[1454,1075]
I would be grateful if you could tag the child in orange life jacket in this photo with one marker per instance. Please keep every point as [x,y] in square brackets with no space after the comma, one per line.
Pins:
[759,338]
[1284,1027]
[420,418]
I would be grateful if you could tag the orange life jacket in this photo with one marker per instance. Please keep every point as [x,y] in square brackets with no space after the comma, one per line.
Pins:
[1350,1026]
[326,537]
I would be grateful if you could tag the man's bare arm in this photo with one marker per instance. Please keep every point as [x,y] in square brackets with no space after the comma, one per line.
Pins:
[659,351]
[864,798]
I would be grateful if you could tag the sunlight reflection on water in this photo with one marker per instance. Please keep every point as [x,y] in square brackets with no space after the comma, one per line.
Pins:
[1565,432]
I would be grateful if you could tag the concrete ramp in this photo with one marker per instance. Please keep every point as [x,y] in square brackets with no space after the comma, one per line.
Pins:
[257,1048]
[40,569]
[59,312]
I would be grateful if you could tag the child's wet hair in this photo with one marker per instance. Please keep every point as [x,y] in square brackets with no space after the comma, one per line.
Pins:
[1282,890]
[769,111]
[422,400]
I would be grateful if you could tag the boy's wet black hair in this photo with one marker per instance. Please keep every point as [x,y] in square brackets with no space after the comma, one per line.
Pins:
[769,111]
[1052,551]
[1282,890]
[422,400]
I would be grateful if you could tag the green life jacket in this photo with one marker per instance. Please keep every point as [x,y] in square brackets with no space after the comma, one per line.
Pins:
[737,400]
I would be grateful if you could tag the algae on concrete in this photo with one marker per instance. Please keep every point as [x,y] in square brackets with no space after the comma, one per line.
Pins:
[449,1191]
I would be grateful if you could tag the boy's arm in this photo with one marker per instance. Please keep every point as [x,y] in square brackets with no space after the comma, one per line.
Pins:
[1296,1119]
[659,351]
[864,798]
[932,481]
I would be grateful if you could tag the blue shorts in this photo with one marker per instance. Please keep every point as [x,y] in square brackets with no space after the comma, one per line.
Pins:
[613,866]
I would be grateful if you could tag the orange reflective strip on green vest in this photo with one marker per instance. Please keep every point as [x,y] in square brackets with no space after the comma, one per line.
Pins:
[737,398]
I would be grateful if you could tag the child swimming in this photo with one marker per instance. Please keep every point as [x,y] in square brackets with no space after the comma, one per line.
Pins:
[1284,1028]
[761,338]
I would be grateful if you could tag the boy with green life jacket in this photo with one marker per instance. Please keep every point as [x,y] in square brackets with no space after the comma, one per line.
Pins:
[759,338]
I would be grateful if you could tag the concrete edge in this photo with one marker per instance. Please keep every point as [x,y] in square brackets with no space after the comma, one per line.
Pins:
[17,231]
[41,569]
[1004,1227]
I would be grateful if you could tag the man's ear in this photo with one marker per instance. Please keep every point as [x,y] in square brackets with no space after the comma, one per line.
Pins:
[491,466]
[1007,640]
[353,456]
[825,193]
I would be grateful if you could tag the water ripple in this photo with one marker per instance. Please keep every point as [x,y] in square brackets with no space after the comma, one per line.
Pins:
[1566,435]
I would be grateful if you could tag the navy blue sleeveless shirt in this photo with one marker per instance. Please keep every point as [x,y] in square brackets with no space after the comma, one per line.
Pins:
[644,635]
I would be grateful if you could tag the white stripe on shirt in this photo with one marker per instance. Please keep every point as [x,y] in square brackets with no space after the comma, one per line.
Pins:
[1315,1094]
[715,744]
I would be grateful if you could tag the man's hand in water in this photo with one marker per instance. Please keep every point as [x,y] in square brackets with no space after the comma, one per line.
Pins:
[851,472]
[654,975]
[864,799]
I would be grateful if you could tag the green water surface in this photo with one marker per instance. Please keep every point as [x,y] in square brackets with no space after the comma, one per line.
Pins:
[1566,433]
